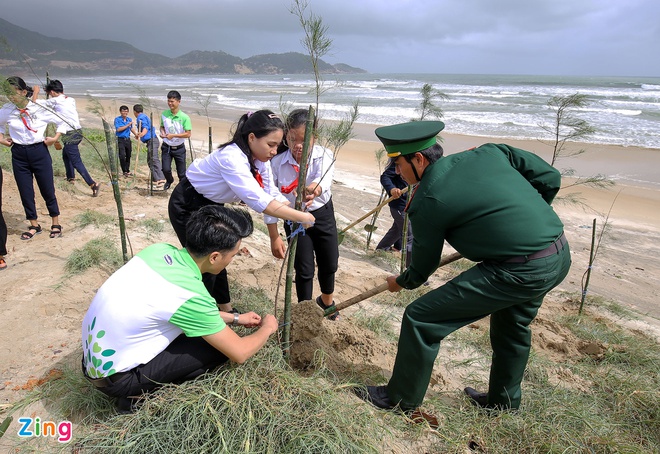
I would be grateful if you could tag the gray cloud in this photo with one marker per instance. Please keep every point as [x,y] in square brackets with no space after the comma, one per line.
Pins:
[606,37]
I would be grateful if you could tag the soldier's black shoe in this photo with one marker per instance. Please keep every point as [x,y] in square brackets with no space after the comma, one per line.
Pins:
[477,398]
[376,395]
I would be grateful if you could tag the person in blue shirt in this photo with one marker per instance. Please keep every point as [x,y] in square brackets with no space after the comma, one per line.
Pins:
[123,127]
[147,135]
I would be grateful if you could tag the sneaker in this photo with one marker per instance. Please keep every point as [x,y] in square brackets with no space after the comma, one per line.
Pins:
[334,316]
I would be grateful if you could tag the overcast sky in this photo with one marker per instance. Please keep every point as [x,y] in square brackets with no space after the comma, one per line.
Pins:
[557,37]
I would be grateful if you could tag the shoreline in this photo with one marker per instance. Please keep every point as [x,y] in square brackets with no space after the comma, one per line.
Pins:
[632,168]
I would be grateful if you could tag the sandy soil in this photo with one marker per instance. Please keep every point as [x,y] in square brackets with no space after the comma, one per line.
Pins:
[43,306]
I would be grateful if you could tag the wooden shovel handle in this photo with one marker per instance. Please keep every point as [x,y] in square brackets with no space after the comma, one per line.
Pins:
[381,205]
[380,288]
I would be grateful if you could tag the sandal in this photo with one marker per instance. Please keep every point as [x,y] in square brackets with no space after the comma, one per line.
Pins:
[334,316]
[96,187]
[3,264]
[28,235]
[55,231]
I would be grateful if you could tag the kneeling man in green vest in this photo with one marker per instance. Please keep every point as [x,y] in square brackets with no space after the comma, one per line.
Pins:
[153,321]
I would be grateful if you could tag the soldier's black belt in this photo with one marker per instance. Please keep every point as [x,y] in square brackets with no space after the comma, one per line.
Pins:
[554,248]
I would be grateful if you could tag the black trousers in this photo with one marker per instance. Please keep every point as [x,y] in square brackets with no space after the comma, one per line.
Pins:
[184,201]
[179,156]
[320,239]
[184,359]
[3,225]
[34,161]
[125,150]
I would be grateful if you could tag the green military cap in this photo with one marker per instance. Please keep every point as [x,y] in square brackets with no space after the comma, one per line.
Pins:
[408,138]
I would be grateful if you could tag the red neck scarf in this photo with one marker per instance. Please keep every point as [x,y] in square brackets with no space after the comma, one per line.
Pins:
[294,183]
[24,114]
[257,176]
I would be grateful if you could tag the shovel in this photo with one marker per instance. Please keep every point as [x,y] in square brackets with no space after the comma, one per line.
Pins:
[380,288]
[340,234]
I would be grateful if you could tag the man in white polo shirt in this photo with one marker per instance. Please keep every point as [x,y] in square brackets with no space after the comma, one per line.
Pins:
[175,128]
[153,321]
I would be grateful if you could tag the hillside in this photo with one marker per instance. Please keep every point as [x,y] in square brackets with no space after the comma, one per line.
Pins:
[22,49]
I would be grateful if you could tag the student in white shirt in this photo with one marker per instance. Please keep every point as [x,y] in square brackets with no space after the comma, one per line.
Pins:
[30,158]
[321,239]
[65,107]
[239,170]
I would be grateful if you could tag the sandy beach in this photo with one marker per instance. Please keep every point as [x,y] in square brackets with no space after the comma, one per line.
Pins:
[629,206]
[40,324]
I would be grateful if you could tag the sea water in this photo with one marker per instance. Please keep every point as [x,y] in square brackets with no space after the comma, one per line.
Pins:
[623,110]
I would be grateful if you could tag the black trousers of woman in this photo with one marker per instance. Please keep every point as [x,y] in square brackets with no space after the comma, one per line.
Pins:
[33,162]
[3,225]
[184,201]
[319,240]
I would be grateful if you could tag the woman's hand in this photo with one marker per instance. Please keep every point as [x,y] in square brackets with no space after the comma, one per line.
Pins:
[308,220]
[277,247]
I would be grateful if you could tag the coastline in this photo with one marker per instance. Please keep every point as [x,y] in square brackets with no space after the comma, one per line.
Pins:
[625,268]
[633,169]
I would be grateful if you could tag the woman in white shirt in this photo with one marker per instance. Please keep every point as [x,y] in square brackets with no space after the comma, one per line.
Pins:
[239,170]
[65,107]
[30,158]
[321,239]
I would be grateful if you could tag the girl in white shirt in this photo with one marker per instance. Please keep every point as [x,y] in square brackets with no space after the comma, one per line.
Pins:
[30,158]
[65,107]
[239,170]
[321,239]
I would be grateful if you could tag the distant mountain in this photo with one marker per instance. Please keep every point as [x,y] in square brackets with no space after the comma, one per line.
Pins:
[21,49]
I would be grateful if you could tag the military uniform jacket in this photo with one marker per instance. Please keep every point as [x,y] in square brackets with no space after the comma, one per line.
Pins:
[489,203]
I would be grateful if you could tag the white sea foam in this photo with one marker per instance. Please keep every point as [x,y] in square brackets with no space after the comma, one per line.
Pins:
[624,111]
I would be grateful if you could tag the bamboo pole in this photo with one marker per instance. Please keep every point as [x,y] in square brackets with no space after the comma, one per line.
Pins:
[137,154]
[150,152]
[302,178]
[592,256]
[210,140]
[112,160]
[372,224]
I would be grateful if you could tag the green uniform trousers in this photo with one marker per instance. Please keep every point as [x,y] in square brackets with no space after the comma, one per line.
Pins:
[510,292]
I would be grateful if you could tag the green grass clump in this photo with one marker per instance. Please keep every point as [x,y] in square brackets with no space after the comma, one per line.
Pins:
[91,217]
[153,227]
[380,324]
[99,252]
[261,406]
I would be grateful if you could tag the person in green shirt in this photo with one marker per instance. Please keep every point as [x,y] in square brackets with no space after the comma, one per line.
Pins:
[175,128]
[154,322]
[492,204]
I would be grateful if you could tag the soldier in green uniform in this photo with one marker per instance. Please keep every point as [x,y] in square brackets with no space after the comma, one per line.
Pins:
[492,204]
